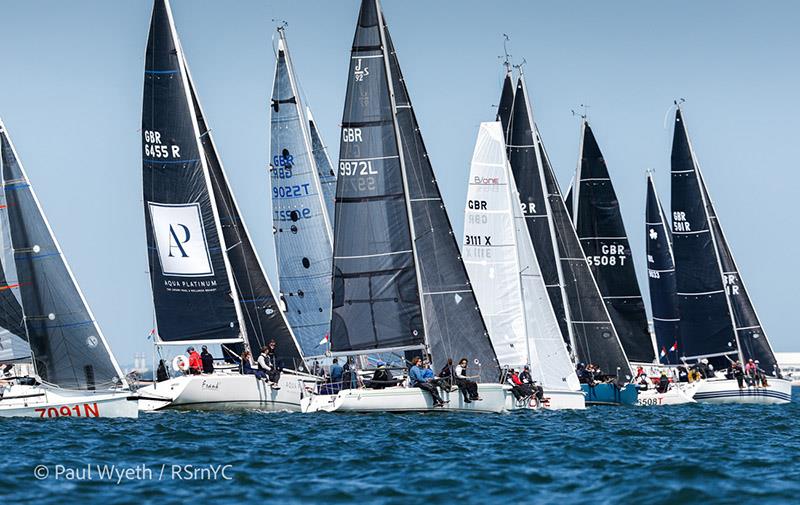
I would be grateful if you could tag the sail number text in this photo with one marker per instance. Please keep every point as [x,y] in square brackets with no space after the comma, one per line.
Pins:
[679,222]
[611,255]
[153,147]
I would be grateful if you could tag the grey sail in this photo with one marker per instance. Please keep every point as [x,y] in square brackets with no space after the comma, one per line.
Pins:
[376,299]
[301,216]
[68,348]
[263,318]
[706,323]
[398,274]
[595,340]
[752,338]
[598,222]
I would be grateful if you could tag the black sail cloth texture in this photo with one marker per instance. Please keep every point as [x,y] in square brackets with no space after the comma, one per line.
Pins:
[191,285]
[706,325]
[661,277]
[385,279]
[599,224]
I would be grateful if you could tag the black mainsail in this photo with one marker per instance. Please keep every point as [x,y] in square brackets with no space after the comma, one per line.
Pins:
[598,222]
[706,325]
[208,282]
[661,277]
[68,348]
[506,104]
[399,282]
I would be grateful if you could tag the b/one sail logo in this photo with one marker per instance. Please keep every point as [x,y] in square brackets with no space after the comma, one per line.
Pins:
[180,239]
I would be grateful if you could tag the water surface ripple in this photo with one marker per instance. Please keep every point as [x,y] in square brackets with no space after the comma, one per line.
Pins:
[686,454]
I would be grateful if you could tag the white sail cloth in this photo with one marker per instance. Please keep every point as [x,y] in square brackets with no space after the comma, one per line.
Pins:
[504,271]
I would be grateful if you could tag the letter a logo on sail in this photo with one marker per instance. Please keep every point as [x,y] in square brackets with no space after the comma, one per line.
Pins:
[180,239]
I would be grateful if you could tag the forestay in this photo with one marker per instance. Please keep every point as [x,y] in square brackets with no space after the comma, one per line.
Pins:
[68,348]
[300,174]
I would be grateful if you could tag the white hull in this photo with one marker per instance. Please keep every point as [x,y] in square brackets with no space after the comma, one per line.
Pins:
[49,402]
[225,391]
[553,400]
[678,394]
[728,391]
[402,399]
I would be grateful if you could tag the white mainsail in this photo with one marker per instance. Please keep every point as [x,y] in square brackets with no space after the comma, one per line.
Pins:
[502,265]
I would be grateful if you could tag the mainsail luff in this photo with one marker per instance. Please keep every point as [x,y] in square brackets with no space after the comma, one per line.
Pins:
[301,224]
[67,345]
[661,277]
[595,338]
[194,294]
[601,230]
[256,301]
[706,322]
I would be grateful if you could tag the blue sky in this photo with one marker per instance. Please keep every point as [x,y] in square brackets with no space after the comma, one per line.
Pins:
[71,88]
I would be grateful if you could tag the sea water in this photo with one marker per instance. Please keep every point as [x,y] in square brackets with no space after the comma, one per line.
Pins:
[639,455]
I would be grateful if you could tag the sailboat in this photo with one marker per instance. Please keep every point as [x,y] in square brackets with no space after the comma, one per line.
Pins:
[399,284]
[507,280]
[718,321]
[585,324]
[208,284]
[75,373]
[302,206]
[598,222]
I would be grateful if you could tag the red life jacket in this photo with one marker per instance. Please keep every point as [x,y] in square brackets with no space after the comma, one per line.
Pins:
[515,379]
[195,361]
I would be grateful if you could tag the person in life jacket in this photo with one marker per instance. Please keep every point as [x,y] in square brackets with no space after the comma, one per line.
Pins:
[663,382]
[416,379]
[738,373]
[266,365]
[750,372]
[529,383]
[514,381]
[195,362]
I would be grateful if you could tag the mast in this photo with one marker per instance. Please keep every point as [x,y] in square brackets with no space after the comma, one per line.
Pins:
[598,222]
[67,345]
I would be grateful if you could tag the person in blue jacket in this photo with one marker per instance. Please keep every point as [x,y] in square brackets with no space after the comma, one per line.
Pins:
[336,375]
[417,379]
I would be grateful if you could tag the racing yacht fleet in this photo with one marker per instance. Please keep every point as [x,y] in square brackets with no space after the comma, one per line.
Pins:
[540,307]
